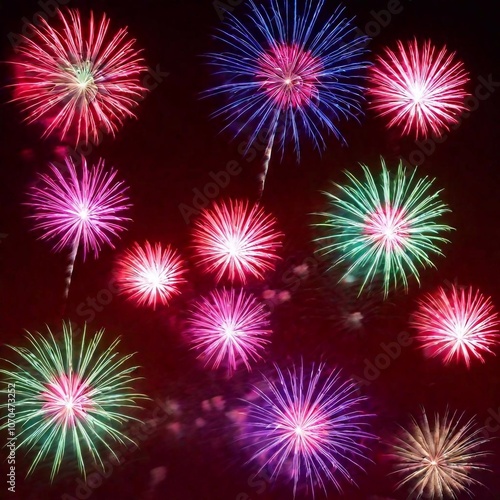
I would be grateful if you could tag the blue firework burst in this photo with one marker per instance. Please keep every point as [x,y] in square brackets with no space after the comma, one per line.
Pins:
[286,71]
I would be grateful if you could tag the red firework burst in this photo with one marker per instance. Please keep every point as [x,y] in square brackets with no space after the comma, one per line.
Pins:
[74,79]
[150,275]
[289,75]
[228,326]
[421,89]
[236,239]
[458,324]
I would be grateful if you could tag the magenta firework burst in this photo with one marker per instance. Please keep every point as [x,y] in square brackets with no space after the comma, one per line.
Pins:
[150,275]
[79,79]
[457,324]
[309,427]
[236,239]
[79,205]
[227,327]
[420,89]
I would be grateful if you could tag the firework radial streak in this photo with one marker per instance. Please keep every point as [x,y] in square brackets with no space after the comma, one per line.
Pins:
[437,460]
[287,66]
[71,398]
[459,324]
[78,79]
[309,427]
[150,274]
[228,326]
[236,239]
[385,228]
[420,89]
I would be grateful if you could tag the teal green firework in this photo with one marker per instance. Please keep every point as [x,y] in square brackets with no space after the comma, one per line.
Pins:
[384,228]
[70,397]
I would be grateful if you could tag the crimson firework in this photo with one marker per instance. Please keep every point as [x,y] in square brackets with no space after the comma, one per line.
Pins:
[150,274]
[229,326]
[421,89]
[80,80]
[237,240]
[457,324]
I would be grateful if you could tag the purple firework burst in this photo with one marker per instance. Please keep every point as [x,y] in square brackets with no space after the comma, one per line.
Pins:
[309,427]
[229,326]
[86,208]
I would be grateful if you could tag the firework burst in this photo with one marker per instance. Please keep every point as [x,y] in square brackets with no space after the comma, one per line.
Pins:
[69,398]
[420,89]
[458,323]
[78,209]
[309,427]
[229,326]
[236,239]
[287,67]
[436,461]
[387,228]
[82,80]
[149,275]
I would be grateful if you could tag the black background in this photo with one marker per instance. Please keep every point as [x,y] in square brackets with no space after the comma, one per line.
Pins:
[169,151]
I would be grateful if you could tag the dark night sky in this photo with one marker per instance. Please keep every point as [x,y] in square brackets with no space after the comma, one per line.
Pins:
[169,151]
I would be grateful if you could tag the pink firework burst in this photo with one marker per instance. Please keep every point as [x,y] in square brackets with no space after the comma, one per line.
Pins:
[289,75]
[459,323]
[77,208]
[67,400]
[150,274]
[421,89]
[236,239]
[388,228]
[86,208]
[83,80]
[229,326]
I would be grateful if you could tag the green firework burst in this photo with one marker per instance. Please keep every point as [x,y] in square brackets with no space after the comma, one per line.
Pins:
[386,227]
[70,397]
